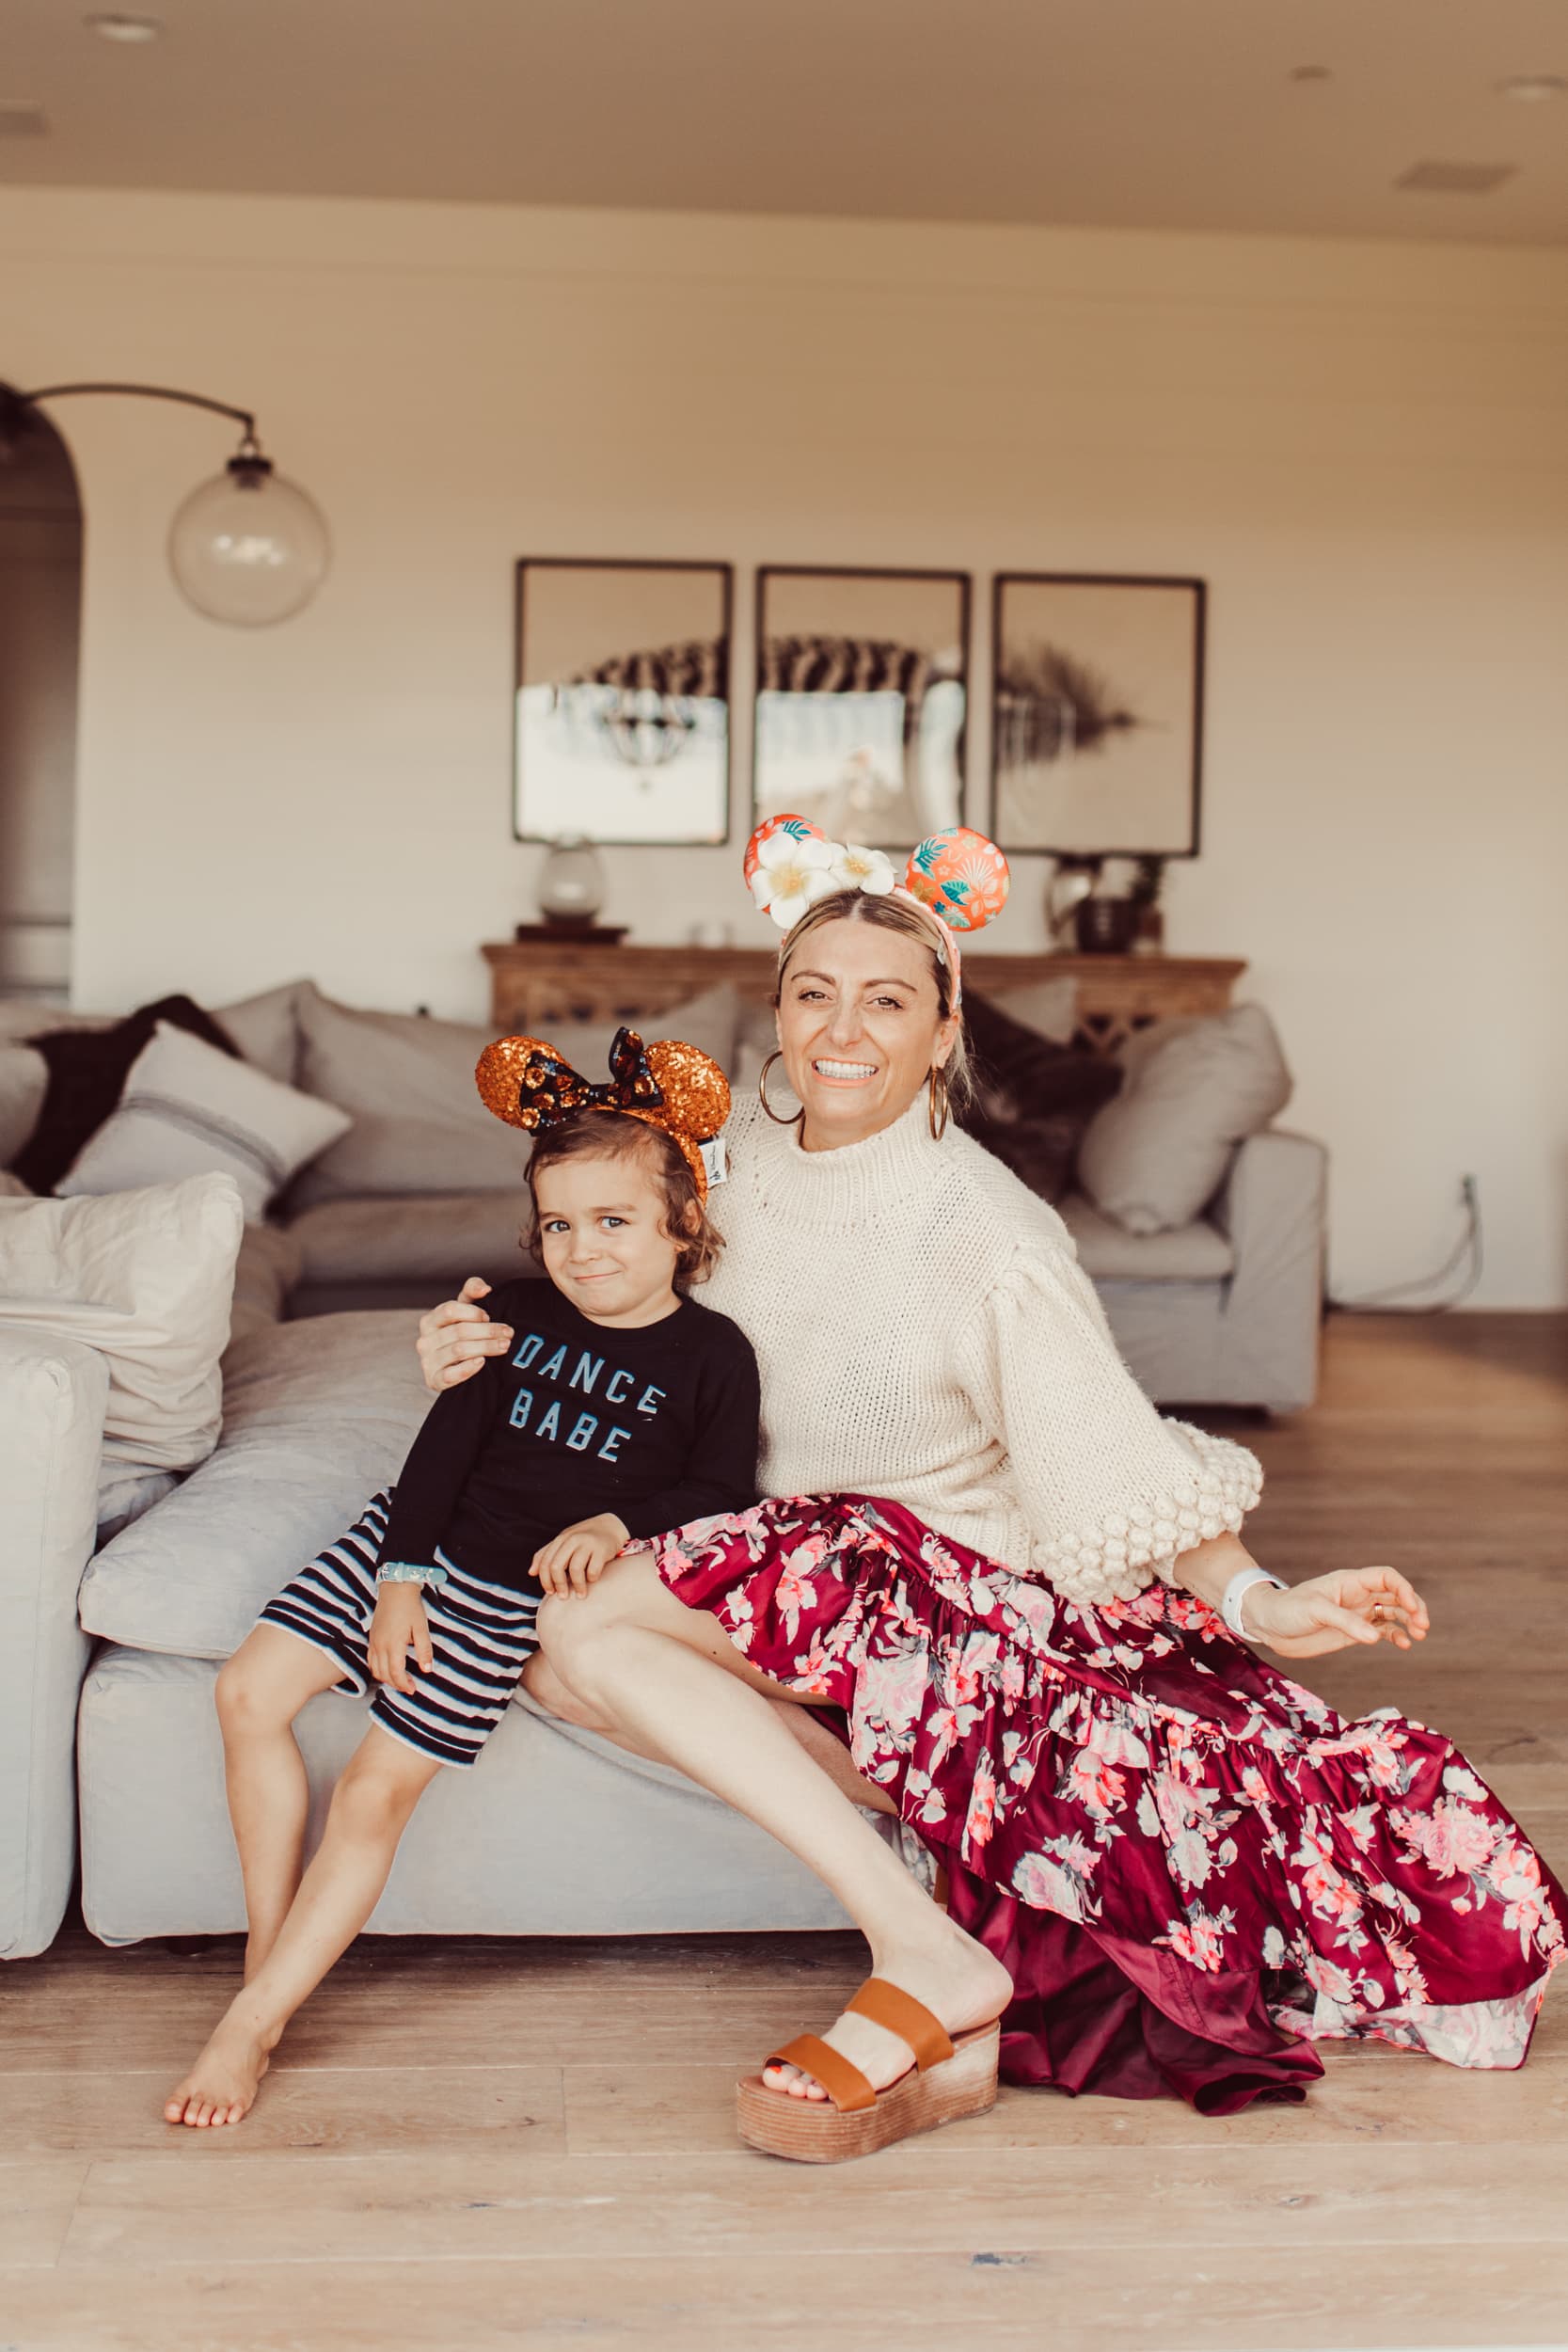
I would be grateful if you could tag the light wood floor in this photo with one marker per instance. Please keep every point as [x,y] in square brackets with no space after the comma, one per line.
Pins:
[493,2144]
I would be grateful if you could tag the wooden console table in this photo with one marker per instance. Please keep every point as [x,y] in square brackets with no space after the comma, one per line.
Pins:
[534,982]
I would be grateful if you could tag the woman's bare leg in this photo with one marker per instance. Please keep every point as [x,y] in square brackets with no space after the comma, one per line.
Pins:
[831,1756]
[649,1666]
[259,1691]
[543,1682]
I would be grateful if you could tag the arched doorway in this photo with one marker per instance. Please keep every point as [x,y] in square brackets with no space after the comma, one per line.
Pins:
[41,606]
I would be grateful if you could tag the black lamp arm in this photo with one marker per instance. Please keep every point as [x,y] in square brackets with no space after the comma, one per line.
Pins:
[149,391]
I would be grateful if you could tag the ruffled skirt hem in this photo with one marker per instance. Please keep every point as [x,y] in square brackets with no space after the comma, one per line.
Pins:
[1192,1868]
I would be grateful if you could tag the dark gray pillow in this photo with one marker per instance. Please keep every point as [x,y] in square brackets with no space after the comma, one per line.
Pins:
[1034,1097]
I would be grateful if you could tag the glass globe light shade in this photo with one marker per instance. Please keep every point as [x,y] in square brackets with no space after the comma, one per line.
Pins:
[248,548]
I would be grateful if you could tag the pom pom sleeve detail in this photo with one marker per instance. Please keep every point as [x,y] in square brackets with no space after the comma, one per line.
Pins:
[1113,1492]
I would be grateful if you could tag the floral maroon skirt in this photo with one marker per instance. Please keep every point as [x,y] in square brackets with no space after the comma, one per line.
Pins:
[1192,1867]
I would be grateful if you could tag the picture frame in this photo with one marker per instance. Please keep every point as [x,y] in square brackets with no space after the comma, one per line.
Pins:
[860,716]
[622,731]
[1097,713]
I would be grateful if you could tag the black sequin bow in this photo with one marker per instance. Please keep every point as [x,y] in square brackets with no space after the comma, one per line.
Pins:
[551,1090]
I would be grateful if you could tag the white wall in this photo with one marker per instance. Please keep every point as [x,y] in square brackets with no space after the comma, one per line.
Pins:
[1364,448]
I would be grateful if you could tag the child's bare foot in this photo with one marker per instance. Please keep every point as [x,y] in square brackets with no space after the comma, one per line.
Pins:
[221,2087]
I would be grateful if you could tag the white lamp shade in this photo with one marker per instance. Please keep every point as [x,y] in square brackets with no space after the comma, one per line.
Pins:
[572,881]
[248,548]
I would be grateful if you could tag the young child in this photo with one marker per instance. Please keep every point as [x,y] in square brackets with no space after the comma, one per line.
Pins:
[624,1408]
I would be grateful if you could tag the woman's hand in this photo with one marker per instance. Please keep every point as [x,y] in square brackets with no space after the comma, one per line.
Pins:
[579,1555]
[1330,1612]
[400,1625]
[457,1337]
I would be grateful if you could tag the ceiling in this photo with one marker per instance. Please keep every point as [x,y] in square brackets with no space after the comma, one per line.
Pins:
[1127,113]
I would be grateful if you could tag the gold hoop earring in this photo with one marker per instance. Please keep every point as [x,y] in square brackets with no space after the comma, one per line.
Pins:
[938,1090]
[762,1094]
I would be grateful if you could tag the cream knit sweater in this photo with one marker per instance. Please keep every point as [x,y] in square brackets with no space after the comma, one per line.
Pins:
[925,1332]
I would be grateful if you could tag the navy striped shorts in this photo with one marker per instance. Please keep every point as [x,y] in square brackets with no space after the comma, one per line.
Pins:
[481,1637]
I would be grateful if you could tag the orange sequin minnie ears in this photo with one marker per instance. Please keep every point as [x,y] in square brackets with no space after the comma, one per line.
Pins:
[958,877]
[669,1084]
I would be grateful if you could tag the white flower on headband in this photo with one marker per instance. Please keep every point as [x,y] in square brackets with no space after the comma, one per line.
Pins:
[854,868]
[792,874]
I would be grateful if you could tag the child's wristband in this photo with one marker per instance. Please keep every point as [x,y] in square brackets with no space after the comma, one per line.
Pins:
[410,1572]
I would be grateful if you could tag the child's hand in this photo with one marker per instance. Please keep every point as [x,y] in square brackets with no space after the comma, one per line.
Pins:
[400,1625]
[457,1337]
[578,1556]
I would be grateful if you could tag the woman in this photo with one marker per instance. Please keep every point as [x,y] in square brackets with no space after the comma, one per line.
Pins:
[1168,1865]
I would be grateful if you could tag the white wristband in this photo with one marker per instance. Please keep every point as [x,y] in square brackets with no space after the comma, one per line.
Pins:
[1236,1591]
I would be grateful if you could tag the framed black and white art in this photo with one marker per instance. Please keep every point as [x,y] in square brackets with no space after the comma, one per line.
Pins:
[862,684]
[1096,714]
[623,701]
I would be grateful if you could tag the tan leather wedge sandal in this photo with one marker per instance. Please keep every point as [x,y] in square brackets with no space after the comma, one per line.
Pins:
[953,2076]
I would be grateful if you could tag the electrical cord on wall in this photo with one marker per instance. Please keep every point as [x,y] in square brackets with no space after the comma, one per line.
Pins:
[1465,1259]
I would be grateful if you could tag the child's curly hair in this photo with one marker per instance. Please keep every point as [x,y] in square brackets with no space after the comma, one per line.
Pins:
[603,1134]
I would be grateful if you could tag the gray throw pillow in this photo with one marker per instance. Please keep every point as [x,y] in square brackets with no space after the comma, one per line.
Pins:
[266,1029]
[269,1264]
[1049,1006]
[1192,1091]
[187,1110]
[145,1277]
[407,1082]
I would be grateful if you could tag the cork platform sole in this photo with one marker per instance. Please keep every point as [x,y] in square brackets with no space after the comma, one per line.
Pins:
[821,2132]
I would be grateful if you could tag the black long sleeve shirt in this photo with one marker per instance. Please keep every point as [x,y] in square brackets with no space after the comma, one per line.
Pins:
[657,1425]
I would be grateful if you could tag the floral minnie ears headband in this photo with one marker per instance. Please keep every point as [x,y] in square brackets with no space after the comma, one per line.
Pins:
[671,1086]
[957,879]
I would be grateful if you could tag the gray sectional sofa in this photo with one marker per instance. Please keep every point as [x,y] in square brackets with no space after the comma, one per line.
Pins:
[107,1734]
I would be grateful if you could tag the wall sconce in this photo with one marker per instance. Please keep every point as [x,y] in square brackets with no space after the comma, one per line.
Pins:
[246,548]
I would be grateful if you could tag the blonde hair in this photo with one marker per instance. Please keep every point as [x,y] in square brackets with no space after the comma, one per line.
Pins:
[889,915]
